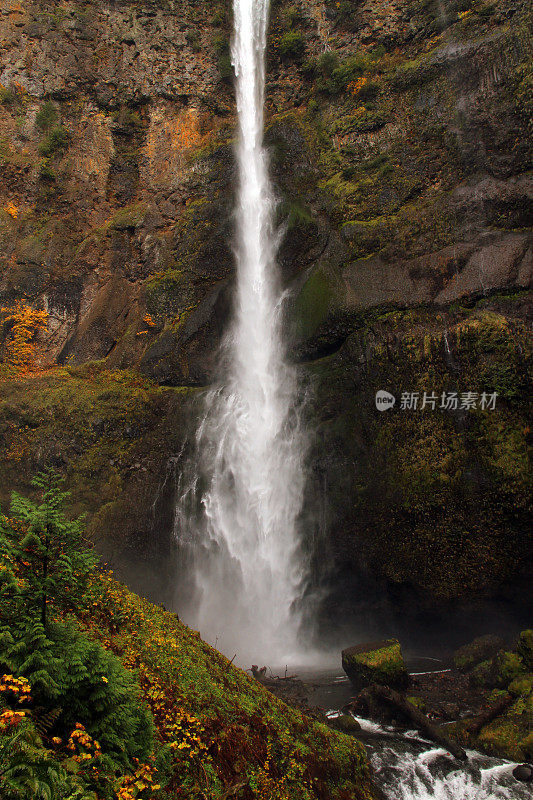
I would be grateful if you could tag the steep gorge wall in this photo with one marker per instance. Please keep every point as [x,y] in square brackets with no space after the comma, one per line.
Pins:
[100,221]
[400,141]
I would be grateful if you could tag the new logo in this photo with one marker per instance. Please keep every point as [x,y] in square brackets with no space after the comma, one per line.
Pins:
[384,400]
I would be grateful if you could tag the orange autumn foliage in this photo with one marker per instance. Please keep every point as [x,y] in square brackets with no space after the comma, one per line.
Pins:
[23,324]
[12,210]
[356,86]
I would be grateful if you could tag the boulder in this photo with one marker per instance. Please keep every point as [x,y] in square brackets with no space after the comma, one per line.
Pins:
[346,723]
[523,772]
[481,675]
[481,649]
[508,734]
[506,668]
[525,648]
[376,662]
[522,686]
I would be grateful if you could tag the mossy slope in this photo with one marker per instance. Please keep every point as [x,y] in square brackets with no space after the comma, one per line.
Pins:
[232,731]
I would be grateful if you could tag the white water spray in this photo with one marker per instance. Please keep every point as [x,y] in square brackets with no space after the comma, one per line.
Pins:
[248,569]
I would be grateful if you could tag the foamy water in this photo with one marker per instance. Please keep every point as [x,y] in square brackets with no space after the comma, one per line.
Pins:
[405,774]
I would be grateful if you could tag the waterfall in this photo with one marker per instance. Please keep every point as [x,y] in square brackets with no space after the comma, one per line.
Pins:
[245,563]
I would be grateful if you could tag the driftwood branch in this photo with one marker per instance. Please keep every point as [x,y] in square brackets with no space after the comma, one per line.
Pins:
[376,695]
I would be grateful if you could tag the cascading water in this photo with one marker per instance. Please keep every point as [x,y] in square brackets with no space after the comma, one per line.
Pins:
[244,549]
[408,767]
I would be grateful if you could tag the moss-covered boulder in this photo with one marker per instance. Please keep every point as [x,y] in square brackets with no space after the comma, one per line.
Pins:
[375,662]
[510,734]
[481,675]
[507,667]
[474,653]
[522,685]
[525,648]
[346,723]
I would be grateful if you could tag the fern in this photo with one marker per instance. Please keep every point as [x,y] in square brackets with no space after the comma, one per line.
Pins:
[26,769]
[44,720]
[44,566]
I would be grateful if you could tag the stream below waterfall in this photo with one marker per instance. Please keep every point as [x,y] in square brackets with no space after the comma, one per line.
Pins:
[407,766]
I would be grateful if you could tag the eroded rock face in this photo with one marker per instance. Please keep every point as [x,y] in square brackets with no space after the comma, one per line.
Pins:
[104,117]
[403,178]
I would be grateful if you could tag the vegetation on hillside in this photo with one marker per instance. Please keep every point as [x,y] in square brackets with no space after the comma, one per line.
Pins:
[104,696]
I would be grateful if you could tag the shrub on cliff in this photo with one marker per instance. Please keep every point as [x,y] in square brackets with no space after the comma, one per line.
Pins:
[291,46]
[55,142]
[46,116]
[21,324]
[337,76]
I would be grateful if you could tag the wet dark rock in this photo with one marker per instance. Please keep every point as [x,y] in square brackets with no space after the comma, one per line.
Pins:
[523,772]
[346,723]
[525,648]
[444,764]
[481,649]
[380,698]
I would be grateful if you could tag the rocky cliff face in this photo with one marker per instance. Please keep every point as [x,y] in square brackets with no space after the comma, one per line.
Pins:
[400,141]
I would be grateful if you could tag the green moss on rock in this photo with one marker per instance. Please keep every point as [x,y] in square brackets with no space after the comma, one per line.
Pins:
[129,217]
[481,675]
[507,666]
[375,662]
[410,501]
[110,432]
[509,735]
[313,303]
[417,702]
[523,685]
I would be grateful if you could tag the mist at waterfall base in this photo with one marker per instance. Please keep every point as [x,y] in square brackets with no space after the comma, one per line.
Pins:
[243,570]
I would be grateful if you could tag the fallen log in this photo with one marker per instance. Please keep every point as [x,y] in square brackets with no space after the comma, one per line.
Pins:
[383,694]
[475,724]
